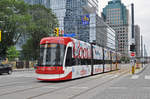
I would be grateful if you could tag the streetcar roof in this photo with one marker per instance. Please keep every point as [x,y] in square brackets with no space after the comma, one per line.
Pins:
[57,40]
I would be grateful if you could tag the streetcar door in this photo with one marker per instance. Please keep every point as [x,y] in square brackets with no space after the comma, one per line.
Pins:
[68,62]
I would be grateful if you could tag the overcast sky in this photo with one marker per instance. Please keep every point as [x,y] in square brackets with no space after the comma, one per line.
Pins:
[142,17]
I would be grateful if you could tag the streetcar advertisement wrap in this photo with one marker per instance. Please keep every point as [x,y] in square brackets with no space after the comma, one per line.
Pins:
[97,52]
[107,60]
[81,56]
[81,49]
[64,58]
[81,71]
[98,59]
[113,60]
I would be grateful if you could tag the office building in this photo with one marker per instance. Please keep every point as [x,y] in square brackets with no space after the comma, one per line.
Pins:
[116,15]
[80,17]
[101,33]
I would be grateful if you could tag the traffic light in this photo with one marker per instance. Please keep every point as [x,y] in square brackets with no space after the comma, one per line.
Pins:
[56,31]
[132,48]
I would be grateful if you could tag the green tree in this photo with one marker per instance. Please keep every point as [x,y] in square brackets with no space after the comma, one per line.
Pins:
[12,53]
[42,25]
[125,59]
[14,19]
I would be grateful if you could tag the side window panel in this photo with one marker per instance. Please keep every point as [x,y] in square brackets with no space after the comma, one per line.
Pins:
[69,57]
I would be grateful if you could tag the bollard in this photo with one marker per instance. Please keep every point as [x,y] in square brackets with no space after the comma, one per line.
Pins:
[116,66]
[133,69]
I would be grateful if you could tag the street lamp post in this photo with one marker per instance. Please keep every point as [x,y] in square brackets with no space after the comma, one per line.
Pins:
[132,46]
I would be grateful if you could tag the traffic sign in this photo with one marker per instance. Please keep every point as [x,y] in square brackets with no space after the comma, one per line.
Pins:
[85,19]
[132,53]
[70,35]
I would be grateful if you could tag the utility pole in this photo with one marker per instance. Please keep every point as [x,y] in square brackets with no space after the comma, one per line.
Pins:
[132,46]
[132,8]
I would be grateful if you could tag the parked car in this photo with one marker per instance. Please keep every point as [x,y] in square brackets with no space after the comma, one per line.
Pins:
[5,68]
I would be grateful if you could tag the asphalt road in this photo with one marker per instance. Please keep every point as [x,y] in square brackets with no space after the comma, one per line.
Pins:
[112,85]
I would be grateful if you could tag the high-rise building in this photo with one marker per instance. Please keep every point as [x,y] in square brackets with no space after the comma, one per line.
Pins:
[116,15]
[81,18]
[69,14]
[76,12]
[91,6]
[58,8]
[137,40]
[101,33]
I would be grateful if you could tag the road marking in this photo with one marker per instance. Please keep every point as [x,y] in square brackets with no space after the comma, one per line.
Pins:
[50,87]
[114,76]
[135,77]
[118,88]
[107,76]
[146,88]
[147,76]
[79,87]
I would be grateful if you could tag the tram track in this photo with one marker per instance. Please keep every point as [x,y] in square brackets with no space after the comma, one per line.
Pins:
[103,83]
[51,84]
[72,85]
[24,89]
[16,83]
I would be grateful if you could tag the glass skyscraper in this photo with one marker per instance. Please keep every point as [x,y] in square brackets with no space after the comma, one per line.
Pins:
[73,19]
[58,8]
[70,13]
[101,33]
[116,16]
[80,17]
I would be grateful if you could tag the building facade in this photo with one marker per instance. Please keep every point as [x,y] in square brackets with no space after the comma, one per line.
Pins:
[101,33]
[80,17]
[70,13]
[116,15]
[73,19]
[58,8]
[137,40]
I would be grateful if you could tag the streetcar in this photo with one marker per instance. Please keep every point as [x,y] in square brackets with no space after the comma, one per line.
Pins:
[65,58]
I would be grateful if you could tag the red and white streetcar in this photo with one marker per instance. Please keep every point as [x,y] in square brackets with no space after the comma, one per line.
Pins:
[64,58]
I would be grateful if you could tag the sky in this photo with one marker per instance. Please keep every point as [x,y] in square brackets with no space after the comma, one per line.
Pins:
[142,17]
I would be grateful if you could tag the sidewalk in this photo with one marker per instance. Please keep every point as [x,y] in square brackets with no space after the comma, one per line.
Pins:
[24,69]
[138,71]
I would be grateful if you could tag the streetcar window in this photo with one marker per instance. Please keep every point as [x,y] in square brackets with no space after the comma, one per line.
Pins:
[51,55]
[69,57]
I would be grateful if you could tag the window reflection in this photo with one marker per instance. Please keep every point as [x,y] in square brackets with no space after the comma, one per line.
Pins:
[51,55]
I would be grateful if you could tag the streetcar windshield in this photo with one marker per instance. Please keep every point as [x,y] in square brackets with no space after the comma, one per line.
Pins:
[51,55]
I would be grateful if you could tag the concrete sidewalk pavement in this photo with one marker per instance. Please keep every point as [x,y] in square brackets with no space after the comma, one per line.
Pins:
[24,69]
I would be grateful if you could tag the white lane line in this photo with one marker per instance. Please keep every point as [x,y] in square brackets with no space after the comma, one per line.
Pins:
[50,87]
[118,88]
[147,76]
[79,87]
[135,77]
[108,76]
[115,76]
